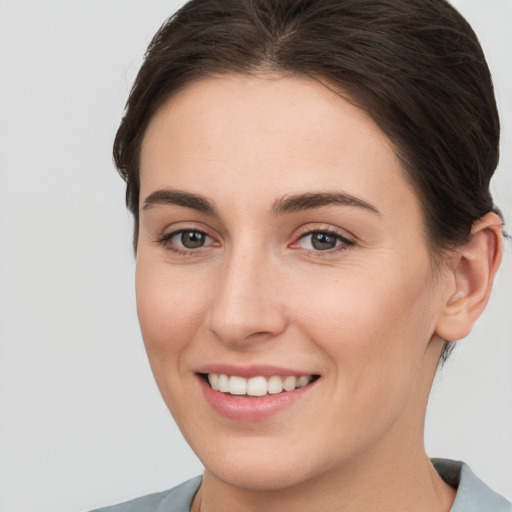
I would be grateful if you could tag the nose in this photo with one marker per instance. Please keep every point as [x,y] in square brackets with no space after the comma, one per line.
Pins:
[247,306]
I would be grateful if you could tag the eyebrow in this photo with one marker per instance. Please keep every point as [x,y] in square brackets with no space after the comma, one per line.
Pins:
[313,200]
[168,196]
[286,204]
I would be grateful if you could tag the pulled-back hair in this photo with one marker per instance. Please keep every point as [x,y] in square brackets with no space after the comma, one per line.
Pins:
[415,66]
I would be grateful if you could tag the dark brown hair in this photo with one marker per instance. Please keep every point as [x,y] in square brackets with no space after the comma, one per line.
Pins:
[415,66]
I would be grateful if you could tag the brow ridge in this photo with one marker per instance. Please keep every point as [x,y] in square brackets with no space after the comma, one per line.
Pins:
[169,196]
[284,205]
[313,200]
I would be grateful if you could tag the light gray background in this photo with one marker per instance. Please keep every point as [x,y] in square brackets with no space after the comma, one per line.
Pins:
[82,423]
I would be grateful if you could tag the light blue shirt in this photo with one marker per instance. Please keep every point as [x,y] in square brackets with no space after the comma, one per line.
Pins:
[472,494]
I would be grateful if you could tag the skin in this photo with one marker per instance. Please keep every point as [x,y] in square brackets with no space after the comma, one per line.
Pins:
[366,316]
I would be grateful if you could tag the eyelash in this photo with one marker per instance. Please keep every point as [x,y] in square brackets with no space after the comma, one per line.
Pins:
[343,243]
[165,241]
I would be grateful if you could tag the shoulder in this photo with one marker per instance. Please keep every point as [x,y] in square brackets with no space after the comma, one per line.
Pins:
[178,499]
[472,494]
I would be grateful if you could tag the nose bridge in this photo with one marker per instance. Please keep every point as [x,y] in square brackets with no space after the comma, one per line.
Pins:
[246,304]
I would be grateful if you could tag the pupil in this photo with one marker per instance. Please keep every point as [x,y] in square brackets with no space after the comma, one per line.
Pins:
[192,239]
[323,241]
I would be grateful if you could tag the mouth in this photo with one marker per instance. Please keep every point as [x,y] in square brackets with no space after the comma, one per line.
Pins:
[257,386]
[254,393]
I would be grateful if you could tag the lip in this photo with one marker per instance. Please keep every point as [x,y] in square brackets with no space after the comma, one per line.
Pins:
[250,409]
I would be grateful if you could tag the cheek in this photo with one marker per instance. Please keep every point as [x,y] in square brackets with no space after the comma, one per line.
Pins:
[373,326]
[170,310]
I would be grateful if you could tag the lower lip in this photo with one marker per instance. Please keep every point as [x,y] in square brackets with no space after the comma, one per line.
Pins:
[245,408]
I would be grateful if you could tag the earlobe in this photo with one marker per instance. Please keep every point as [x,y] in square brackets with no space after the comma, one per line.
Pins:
[474,268]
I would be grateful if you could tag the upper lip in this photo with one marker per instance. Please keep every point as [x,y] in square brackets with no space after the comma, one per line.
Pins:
[254,370]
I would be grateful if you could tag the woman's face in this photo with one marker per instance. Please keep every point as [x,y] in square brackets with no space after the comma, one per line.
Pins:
[279,239]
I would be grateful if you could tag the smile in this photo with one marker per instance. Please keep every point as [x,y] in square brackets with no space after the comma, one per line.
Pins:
[257,386]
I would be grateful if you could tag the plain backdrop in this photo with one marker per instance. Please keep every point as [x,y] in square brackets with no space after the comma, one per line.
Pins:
[81,421]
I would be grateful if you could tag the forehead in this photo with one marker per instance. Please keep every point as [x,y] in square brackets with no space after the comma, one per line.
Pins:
[269,104]
[291,133]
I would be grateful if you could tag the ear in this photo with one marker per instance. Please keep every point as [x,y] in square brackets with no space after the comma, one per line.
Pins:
[473,268]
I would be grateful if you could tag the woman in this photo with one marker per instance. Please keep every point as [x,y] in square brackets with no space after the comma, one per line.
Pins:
[313,227]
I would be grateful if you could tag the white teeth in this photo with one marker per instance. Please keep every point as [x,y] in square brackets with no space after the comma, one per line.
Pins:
[213,379]
[224,383]
[256,386]
[303,381]
[289,383]
[237,385]
[275,385]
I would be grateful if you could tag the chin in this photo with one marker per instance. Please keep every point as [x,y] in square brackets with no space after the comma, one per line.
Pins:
[259,477]
[263,463]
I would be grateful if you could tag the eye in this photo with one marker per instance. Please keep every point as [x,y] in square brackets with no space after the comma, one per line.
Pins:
[322,241]
[186,240]
[190,239]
